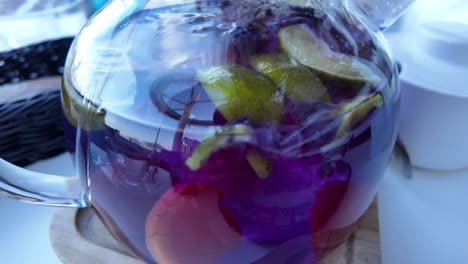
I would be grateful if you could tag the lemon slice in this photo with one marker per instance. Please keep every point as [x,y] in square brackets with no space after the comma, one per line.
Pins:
[298,82]
[238,92]
[299,42]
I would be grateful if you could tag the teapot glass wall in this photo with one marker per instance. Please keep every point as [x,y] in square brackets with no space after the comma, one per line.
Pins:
[225,131]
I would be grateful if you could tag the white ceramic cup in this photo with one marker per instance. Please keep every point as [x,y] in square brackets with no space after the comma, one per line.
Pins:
[434,128]
[434,90]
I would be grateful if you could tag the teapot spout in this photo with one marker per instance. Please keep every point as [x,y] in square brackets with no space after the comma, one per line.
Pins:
[383,12]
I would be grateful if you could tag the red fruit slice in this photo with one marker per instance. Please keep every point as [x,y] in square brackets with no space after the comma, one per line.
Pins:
[187,226]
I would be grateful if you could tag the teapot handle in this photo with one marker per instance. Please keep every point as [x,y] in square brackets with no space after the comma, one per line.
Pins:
[40,188]
[48,189]
[19,183]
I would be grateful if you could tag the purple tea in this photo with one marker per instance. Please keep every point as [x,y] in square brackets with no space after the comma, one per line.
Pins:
[228,139]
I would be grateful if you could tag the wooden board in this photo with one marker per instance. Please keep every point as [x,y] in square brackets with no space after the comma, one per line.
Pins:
[78,236]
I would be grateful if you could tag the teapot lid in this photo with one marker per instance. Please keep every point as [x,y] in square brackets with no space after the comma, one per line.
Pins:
[433,54]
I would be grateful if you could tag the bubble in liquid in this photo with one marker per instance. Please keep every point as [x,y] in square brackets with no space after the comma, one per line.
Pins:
[244,12]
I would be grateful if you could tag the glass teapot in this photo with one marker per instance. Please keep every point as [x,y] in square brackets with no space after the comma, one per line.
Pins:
[226,131]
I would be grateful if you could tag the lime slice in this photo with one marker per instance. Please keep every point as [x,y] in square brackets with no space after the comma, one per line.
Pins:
[298,82]
[299,42]
[239,92]
[227,136]
[356,110]
[260,165]
[79,113]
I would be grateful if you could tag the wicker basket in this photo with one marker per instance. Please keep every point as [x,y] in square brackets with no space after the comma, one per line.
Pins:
[30,111]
